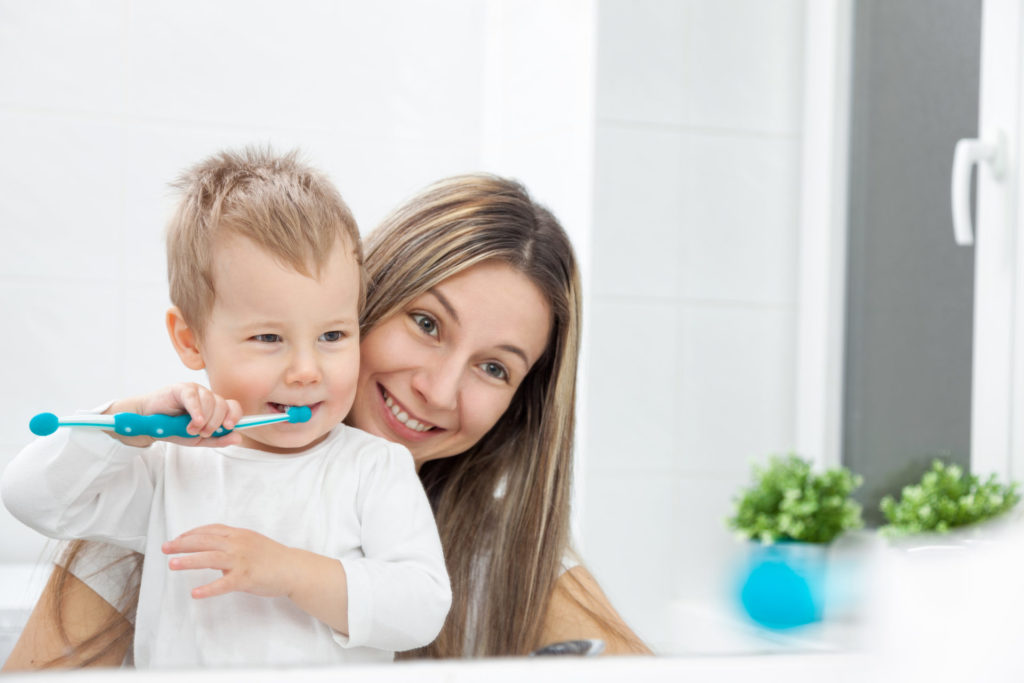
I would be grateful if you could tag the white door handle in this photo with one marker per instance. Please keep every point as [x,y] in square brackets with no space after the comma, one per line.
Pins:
[970,151]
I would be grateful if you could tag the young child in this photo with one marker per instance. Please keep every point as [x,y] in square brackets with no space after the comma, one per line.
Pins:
[305,543]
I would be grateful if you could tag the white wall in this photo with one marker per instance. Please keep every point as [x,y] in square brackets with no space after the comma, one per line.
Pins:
[693,304]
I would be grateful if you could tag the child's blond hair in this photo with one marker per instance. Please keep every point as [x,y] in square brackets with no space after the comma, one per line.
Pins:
[284,206]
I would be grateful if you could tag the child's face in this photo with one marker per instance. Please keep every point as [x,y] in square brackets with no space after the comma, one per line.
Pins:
[276,338]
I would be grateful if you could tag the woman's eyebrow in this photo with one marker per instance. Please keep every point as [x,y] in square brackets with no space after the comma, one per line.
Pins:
[446,304]
[517,351]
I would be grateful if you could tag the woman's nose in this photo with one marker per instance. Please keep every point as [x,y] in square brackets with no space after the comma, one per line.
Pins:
[438,383]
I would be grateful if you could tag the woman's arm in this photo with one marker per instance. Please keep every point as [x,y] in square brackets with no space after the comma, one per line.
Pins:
[84,614]
[579,609]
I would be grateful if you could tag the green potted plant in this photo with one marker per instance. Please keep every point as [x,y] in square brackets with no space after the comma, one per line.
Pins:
[792,514]
[945,499]
[789,502]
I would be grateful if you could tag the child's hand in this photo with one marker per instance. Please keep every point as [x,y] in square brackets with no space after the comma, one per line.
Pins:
[250,562]
[208,410]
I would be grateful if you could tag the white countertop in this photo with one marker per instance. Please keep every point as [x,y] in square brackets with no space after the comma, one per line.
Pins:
[816,668]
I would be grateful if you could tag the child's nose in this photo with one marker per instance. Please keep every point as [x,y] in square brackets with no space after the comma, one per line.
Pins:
[302,368]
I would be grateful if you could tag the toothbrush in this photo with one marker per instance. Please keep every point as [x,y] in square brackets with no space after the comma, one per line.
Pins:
[157,426]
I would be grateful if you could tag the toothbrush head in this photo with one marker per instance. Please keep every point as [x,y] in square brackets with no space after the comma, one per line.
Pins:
[299,414]
[45,424]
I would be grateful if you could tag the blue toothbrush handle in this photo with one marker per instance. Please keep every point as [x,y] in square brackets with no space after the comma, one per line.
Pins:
[157,426]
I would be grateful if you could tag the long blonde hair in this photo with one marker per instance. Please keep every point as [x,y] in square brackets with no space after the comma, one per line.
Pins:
[502,507]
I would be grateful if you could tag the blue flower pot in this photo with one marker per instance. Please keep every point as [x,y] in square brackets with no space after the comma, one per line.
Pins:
[783,585]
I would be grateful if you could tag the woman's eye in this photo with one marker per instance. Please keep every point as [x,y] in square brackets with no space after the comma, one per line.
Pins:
[332,336]
[495,370]
[425,323]
[267,338]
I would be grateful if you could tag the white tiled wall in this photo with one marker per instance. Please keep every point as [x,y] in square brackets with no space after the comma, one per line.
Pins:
[693,302]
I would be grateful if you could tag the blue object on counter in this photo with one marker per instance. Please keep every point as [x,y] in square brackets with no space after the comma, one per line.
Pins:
[784,585]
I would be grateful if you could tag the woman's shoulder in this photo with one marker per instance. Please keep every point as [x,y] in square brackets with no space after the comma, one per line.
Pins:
[578,609]
[570,559]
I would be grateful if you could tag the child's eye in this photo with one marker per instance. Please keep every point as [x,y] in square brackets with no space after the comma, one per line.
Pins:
[267,338]
[332,336]
[425,323]
[495,370]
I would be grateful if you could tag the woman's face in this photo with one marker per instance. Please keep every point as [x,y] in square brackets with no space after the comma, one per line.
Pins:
[437,376]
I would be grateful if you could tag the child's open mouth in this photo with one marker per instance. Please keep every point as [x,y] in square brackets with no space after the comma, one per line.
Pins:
[283,407]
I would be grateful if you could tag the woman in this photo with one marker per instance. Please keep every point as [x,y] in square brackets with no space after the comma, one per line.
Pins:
[470,342]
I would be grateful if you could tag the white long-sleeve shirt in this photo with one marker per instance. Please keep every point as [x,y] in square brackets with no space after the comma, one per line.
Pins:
[354,497]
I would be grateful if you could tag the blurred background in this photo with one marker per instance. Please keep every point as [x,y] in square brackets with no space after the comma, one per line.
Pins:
[758,191]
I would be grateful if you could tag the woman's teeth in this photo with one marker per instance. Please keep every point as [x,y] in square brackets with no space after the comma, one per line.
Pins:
[403,417]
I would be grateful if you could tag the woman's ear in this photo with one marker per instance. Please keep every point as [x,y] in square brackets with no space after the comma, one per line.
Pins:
[184,338]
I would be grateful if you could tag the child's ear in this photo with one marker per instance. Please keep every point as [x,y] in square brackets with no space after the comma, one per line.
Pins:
[184,339]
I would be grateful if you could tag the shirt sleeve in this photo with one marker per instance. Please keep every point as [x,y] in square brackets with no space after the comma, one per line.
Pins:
[398,593]
[79,483]
[108,570]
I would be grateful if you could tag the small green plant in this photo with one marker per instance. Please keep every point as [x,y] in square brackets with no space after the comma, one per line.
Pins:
[790,502]
[946,499]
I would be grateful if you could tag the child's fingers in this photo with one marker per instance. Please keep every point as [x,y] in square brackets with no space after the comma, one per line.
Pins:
[219,416]
[211,529]
[189,397]
[208,411]
[208,406]
[215,415]
[234,413]
[210,559]
[219,587]
[195,543]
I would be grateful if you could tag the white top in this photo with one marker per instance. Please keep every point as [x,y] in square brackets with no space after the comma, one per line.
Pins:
[354,496]
[107,570]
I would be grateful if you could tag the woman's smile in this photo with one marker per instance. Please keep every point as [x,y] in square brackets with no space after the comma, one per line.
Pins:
[403,418]
[439,374]
[403,415]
